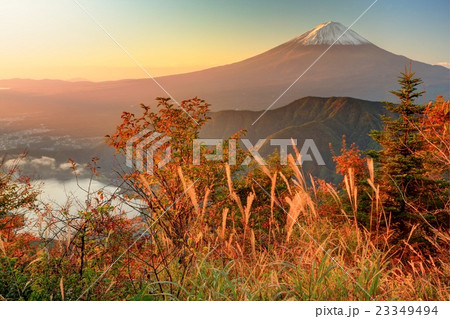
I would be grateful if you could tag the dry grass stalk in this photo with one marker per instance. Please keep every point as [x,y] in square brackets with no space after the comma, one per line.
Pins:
[68,233]
[300,178]
[233,194]
[352,190]
[252,241]
[371,168]
[377,210]
[239,249]
[2,246]
[293,164]
[230,241]
[313,186]
[61,287]
[190,191]
[247,210]
[272,191]
[113,282]
[296,206]
[224,223]
[205,203]
[301,202]
[375,198]
[337,199]
[286,182]
[272,201]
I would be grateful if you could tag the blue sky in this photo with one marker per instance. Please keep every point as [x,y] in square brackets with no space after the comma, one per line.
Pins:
[55,39]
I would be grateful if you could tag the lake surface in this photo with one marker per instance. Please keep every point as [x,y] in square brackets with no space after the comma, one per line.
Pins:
[56,194]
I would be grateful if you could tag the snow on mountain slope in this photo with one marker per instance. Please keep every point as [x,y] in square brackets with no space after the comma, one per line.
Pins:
[328,33]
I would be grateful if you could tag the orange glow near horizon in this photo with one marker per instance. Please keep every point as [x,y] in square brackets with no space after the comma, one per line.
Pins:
[54,39]
[59,41]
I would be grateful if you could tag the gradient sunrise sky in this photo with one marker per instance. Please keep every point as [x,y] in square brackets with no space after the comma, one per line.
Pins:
[56,39]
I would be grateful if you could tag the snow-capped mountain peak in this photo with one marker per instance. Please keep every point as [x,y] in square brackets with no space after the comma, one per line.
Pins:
[328,33]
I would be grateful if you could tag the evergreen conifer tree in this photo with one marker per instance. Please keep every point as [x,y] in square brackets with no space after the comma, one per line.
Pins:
[408,192]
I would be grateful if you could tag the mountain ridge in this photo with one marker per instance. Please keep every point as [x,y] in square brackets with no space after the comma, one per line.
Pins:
[323,119]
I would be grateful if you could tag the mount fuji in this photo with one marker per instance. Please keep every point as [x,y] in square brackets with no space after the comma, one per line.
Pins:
[352,66]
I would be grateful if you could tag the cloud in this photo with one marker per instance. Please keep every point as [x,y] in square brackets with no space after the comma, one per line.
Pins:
[43,161]
[65,166]
[445,64]
[45,167]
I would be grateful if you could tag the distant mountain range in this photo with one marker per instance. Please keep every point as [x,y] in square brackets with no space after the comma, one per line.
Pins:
[325,120]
